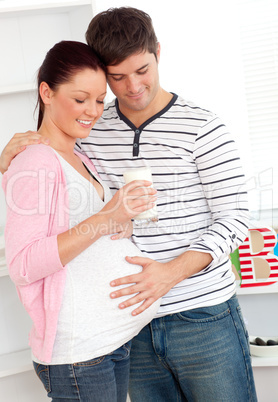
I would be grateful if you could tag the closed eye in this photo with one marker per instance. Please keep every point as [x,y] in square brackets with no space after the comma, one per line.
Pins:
[142,72]
[116,78]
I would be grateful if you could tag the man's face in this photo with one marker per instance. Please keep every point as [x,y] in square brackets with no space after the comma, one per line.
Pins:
[135,81]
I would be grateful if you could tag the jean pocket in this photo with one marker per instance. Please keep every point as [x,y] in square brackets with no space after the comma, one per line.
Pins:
[122,353]
[127,347]
[241,319]
[240,315]
[90,363]
[42,372]
[205,314]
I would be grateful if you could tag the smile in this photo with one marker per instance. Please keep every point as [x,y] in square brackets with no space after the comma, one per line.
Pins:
[85,122]
[136,95]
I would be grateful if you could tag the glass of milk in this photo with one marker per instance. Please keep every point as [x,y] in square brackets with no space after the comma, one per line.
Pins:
[143,173]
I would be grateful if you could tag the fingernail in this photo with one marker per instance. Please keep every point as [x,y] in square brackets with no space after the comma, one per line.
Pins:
[112,283]
[112,295]
[121,306]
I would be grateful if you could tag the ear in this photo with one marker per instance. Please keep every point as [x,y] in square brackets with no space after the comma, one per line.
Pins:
[45,93]
[158,52]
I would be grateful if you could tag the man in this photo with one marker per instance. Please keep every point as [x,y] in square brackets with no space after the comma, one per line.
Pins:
[197,347]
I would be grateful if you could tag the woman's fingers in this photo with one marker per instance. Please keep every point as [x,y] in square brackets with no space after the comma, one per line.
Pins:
[132,199]
[139,196]
[140,205]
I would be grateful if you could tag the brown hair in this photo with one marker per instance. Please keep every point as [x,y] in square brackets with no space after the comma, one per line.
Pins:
[118,33]
[61,62]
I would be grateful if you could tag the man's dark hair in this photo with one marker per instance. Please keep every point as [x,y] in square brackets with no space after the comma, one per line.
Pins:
[118,33]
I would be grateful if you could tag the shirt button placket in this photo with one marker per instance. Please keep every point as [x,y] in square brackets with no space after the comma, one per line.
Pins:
[136,142]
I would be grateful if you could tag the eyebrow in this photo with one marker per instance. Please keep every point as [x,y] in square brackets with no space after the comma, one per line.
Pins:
[88,93]
[80,90]
[141,68]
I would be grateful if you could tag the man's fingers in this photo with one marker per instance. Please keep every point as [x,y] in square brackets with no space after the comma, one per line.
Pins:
[129,290]
[146,304]
[138,260]
[28,138]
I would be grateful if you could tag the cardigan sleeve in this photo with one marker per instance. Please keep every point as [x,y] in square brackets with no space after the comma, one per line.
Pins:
[36,213]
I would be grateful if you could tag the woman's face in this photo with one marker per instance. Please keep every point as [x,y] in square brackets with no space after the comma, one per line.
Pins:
[77,104]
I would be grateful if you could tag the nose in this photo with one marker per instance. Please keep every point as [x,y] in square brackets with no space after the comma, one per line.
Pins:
[92,110]
[133,84]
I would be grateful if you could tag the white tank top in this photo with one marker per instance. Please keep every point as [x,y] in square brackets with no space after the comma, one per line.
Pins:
[90,322]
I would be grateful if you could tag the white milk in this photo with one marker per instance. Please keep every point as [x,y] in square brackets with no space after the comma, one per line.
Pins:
[143,173]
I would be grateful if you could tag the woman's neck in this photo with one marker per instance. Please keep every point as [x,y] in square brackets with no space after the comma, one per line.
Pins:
[61,142]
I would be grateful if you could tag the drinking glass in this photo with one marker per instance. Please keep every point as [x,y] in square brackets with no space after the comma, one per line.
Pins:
[143,173]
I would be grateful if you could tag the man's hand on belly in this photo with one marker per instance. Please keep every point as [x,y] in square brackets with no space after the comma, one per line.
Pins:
[153,282]
[156,278]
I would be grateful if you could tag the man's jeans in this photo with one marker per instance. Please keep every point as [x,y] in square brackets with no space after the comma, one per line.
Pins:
[198,355]
[104,379]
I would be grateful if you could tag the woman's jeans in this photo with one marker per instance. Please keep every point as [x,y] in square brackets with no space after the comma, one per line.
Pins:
[104,379]
[198,355]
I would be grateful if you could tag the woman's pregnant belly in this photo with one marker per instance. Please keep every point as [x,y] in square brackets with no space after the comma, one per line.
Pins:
[89,318]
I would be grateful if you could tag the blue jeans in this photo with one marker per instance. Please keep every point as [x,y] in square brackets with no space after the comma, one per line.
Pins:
[198,355]
[104,379]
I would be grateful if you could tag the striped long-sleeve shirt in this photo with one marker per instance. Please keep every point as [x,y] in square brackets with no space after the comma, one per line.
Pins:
[202,201]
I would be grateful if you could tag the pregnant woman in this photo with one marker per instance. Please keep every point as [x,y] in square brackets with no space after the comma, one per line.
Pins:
[67,238]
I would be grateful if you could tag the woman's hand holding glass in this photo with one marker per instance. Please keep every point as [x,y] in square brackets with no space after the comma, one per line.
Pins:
[133,198]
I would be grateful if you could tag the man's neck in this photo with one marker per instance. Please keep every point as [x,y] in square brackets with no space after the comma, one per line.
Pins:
[138,117]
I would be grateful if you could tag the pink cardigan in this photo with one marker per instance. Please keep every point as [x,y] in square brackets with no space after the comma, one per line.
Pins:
[37,201]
